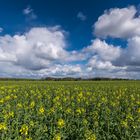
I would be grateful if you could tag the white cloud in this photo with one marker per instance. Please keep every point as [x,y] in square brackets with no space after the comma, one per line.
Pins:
[37,53]
[118,23]
[103,56]
[131,54]
[103,50]
[42,51]
[106,59]
[33,51]
[29,12]
[96,63]
[133,50]
[81,16]
[62,70]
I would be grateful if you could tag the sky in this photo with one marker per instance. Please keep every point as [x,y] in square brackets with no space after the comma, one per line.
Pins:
[70,38]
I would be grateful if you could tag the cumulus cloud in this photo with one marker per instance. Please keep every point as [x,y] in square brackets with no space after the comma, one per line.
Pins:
[130,55]
[106,60]
[102,56]
[81,16]
[96,63]
[123,23]
[39,52]
[118,23]
[42,51]
[33,51]
[103,50]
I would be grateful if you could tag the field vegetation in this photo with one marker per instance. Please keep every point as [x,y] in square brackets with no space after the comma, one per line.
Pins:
[69,110]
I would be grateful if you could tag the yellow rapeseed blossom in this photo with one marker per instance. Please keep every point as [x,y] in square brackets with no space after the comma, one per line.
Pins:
[70,110]
[3,126]
[8,115]
[80,111]
[61,123]
[41,110]
[1,101]
[24,129]
[57,137]
[138,110]
[28,139]
[11,114]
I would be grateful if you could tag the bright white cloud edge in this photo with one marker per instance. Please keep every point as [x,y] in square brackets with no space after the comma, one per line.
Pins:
[42,51]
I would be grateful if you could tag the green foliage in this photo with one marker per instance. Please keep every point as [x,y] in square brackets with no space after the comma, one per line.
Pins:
[82,110]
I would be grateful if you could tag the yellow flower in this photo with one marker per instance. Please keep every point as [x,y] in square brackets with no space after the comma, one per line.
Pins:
[80,111]
[28,139]
[24,129]
[1,100]
[138,110]
[11,114]
[91,137]
[41,110]
[61,123]
[7,98]
[57,137]
[8,115]
[3,126]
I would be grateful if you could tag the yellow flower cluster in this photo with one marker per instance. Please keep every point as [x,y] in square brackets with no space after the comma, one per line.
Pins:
[24,129]
[87,110]
[41,110]
[3,126]
[61,123]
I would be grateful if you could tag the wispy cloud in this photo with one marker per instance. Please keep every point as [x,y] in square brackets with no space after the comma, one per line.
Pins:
[81,16]
[29,12]
[1,29]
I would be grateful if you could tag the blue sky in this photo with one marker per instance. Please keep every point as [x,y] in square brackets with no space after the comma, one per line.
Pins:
[73,32]
[58,12]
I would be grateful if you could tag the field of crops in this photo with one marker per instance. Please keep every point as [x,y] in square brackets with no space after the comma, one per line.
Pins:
[39,110]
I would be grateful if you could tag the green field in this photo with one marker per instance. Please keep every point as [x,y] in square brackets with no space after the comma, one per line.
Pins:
[84,110]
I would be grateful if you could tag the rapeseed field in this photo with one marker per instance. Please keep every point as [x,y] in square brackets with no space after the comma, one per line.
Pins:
[85,110]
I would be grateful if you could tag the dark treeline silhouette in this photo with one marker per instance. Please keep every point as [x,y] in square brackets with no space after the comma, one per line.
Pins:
[81,79]
[64,79]
[17,79]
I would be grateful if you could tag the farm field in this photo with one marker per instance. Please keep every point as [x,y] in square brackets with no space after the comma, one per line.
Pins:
[76,110]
